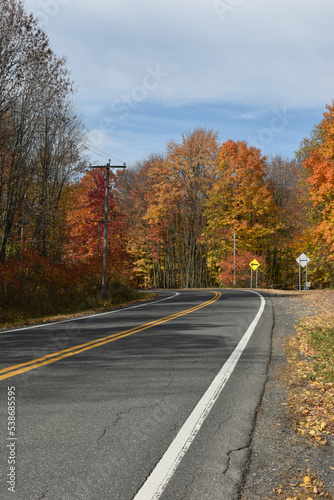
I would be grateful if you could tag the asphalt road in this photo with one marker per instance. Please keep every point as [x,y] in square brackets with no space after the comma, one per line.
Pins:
[171,389]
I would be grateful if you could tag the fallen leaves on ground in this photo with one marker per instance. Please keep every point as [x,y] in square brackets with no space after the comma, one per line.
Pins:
[307,487]
[310,376]
[310,381]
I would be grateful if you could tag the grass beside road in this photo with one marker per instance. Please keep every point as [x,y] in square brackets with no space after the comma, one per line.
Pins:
[310,354]
[18,316]
[310,381]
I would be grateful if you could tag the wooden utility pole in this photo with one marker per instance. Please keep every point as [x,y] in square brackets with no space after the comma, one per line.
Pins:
[105,234]
[99,235]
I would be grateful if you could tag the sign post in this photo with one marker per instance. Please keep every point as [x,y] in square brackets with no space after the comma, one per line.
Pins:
[254,265]
[302,260]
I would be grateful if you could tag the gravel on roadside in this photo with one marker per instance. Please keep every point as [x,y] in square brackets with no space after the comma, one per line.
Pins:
[279,455]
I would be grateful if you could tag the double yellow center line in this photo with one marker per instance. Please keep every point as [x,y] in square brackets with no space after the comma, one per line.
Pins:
[11,371]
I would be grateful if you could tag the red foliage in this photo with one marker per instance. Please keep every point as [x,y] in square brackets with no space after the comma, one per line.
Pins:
[242,267]
[29,272]
[84,206]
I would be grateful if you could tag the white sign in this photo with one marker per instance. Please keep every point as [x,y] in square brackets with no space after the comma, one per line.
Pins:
[303,260]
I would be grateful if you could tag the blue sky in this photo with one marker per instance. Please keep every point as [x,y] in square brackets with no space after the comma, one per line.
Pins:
[254,70]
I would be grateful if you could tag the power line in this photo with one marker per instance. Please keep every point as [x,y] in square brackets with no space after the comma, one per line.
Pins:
[102,153]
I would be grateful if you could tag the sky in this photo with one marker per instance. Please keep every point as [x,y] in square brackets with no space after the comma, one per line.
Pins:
[146,72]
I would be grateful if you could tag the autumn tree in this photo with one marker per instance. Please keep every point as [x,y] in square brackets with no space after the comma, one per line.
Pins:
[83,205]
[282,175]
[287,183]
[134,190]
[177,223]
[59,158]
[235,269]
[311,143]
[241,202]
[319,166]
[40,136]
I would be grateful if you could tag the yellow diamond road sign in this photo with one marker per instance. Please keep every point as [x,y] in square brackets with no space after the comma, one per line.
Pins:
[254,264]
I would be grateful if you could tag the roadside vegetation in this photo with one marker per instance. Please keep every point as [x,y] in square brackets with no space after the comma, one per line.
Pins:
[310,381]
[310,355]
[193,216]
[33,290]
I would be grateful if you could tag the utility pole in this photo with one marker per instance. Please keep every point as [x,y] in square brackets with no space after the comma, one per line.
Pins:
[99,235]
[105,234]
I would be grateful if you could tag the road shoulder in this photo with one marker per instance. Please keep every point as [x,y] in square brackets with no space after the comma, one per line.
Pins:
[278,454]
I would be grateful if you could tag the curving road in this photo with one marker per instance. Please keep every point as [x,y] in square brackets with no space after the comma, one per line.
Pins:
[146,402]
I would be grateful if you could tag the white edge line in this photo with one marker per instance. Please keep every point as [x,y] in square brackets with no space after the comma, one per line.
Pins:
[86,317]
[156,483]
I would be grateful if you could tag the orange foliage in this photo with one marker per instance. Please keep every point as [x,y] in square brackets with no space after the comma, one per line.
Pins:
[241,199]
[320,165]
[175,214]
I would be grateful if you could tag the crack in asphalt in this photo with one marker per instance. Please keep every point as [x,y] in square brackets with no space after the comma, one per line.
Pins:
[171,379]
[144,407]
[229,458]
[173,429]
[223,422]
[103,433]
[129,410]
[196,473]
[45,492]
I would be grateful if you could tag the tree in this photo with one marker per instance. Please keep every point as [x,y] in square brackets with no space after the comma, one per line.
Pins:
[320,167]
[311,143]
[83,205]
[59,158]
[40,136]
[238,264]
[286,180]
[241,201]
[134,190]
[282,175]
[177,223]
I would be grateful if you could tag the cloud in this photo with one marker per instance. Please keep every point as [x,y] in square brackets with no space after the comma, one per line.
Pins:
[252,56]
[260,51]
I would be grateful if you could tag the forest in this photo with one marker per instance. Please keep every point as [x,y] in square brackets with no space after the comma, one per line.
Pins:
[193,216]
